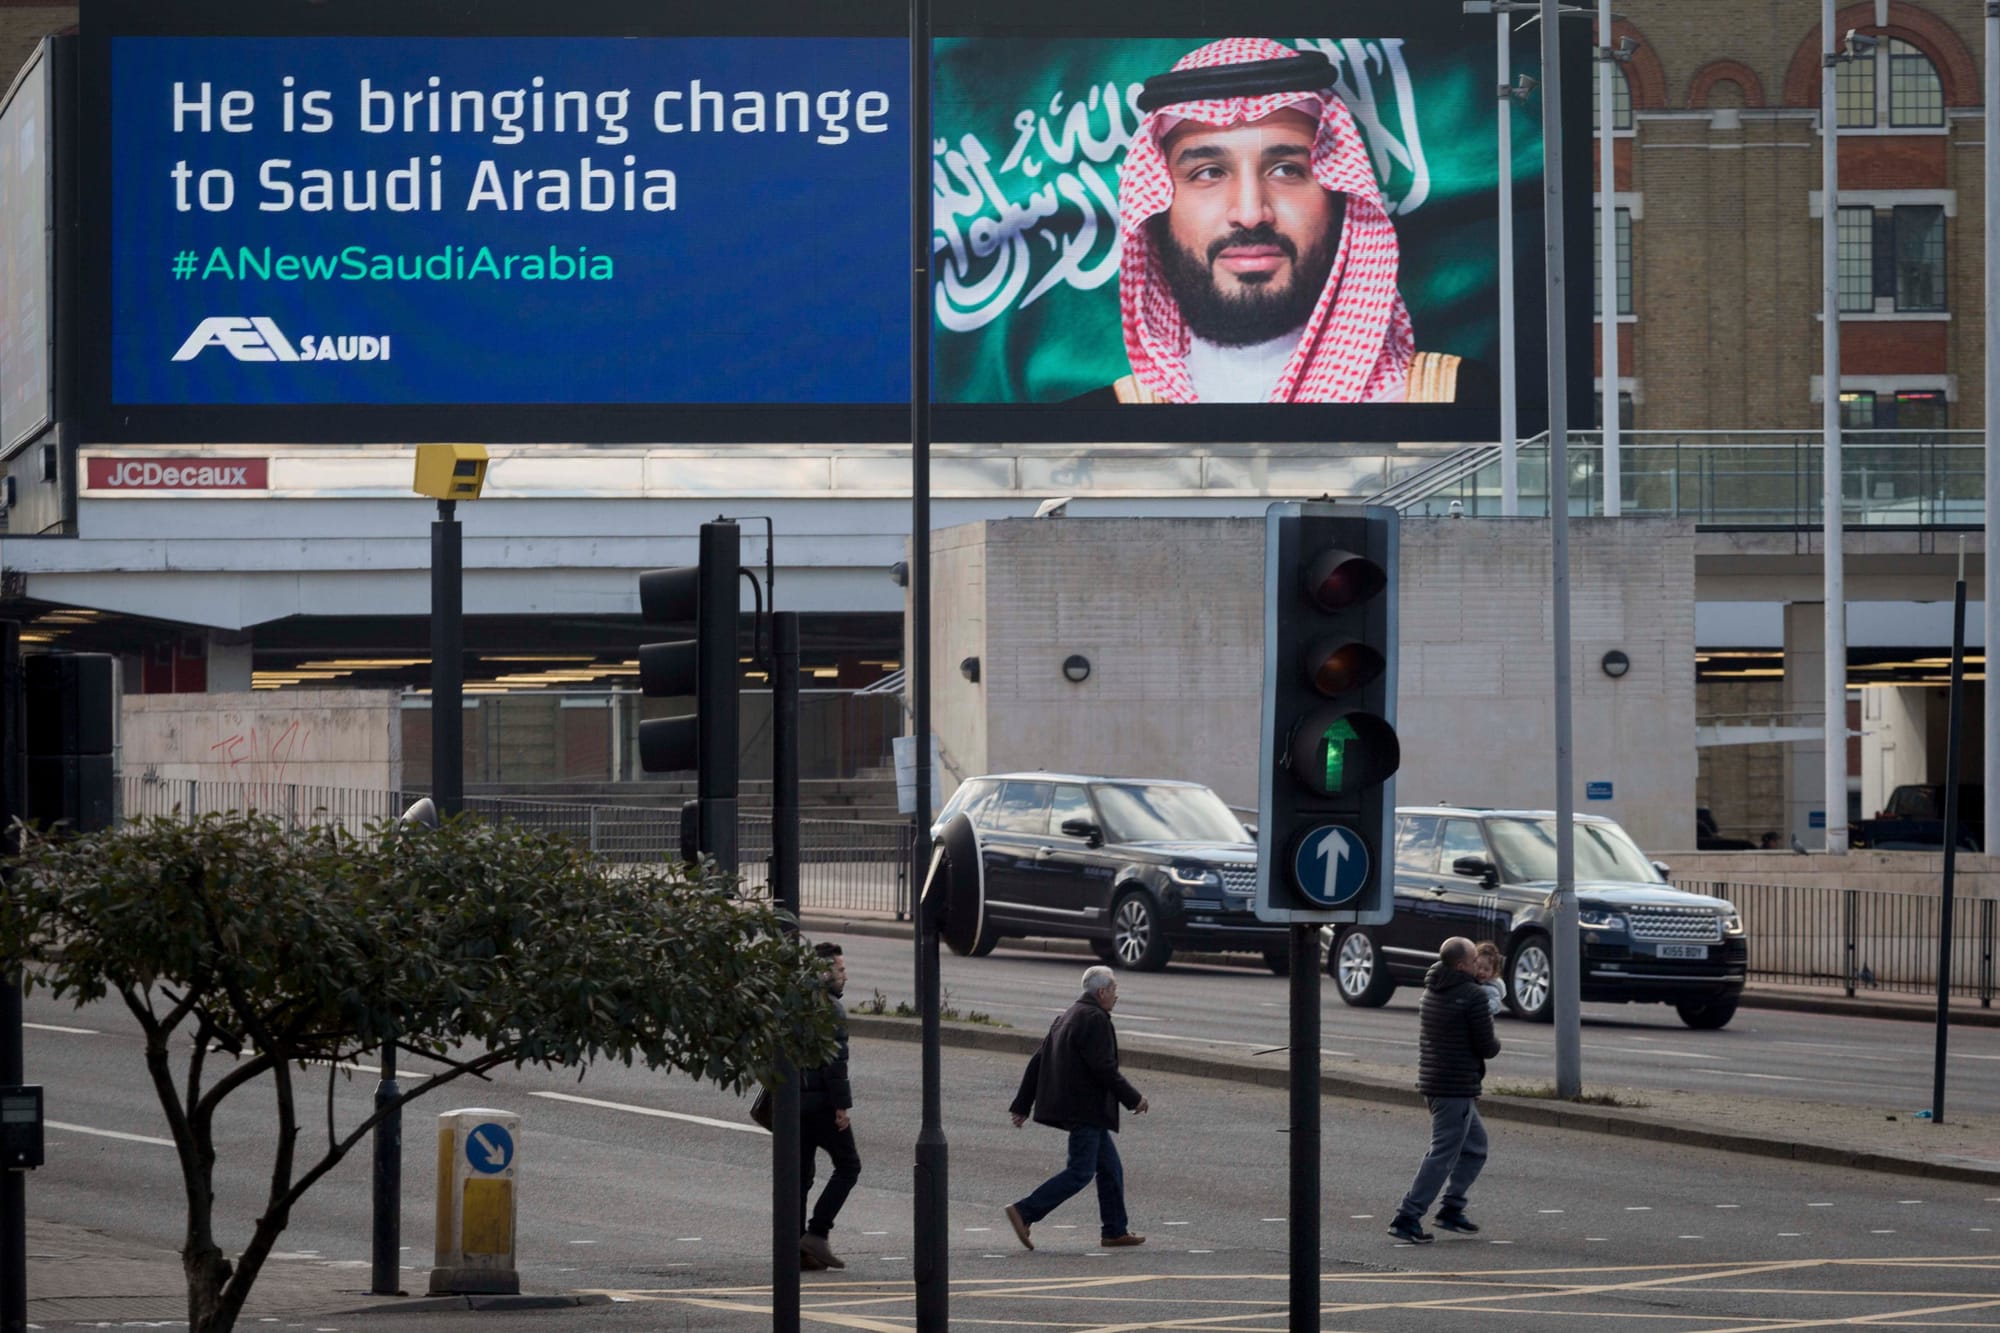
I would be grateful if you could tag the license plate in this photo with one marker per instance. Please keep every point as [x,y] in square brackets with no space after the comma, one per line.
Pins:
[1683,951]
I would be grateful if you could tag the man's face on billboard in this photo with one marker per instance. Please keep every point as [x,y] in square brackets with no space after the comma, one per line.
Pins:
[1250,237]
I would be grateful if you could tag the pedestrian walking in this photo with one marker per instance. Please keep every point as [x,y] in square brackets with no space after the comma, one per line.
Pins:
[1072,1083]
[1455,1041]
[824,1101]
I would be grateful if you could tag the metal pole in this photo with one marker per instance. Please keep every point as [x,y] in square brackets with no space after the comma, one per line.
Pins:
[787,1206]
[1607,266]
[932,1193]
[1510,425]
[1569,1039]
[1305,1129]
[1991,635]
[1952,745]
[13,1064]
[386,1268]
[1835,592]
[447,663]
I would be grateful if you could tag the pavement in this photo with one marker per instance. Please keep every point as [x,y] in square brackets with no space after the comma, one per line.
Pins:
[82,1277]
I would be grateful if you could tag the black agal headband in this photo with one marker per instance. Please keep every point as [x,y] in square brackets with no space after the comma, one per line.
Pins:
[1307,72]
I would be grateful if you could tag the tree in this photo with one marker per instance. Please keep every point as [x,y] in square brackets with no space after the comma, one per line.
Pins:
[472,945]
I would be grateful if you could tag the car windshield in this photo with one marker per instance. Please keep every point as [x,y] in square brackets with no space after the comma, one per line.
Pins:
[1527,852]
[1134,812]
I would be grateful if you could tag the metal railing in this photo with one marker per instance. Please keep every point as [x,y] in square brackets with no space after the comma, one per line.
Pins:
[1861,940]
[1738,479]
[846,865]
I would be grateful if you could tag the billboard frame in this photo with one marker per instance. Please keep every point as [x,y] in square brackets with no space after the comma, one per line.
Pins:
[101,421]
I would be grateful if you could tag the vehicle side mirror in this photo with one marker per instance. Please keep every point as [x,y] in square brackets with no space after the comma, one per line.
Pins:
[1083,828]
[1475,867]
[1666,871]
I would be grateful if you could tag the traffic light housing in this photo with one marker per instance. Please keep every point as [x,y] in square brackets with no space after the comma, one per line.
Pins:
[1327,791]
[704,667]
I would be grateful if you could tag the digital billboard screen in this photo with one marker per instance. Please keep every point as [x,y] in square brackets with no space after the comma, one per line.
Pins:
[607,221]
[25,274]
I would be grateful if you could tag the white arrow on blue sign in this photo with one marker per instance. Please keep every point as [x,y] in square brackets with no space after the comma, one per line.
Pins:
[1331,865]
[490,1148]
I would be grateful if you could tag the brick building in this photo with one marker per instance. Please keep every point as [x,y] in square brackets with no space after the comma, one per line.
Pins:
[1718,180]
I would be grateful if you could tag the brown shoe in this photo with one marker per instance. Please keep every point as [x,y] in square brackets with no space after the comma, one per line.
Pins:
[819,1252]
[1128,1238]
[1020,1226]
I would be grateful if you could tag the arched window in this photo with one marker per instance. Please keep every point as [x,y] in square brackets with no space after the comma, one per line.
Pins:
[1621,101]
[1896,86]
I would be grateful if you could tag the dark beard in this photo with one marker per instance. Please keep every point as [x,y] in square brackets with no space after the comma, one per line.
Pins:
[1257,315]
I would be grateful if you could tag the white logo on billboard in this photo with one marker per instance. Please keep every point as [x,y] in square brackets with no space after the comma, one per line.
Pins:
[258,338]
[1007,236]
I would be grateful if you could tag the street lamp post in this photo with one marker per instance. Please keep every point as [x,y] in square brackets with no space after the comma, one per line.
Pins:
[1991,152]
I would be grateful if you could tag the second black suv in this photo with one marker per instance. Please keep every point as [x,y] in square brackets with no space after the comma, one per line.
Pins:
[1135,866]
[1490,875]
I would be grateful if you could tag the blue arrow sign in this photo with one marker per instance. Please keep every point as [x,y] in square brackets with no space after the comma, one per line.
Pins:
[1330,866]
[490,1149]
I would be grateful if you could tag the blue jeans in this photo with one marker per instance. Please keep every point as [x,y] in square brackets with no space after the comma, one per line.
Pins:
[1457,1152]
[1093,1154]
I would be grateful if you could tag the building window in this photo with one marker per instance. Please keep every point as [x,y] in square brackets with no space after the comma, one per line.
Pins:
[1901,409]
[1621,101]
[1622,222]
[1624,408]
[1892,259]
[1897,87]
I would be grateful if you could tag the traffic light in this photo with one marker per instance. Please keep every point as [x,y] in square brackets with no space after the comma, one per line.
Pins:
[70,706]
[704,667]
[1326,791]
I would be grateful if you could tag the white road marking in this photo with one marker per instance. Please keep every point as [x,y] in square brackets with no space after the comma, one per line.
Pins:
[1819,1205]
[580,1242]
[1690,1238]
[979,1228]
[1909,1201]
[687,1238]
[92,1032]
[892,1258]
[1548,1210]
[1201,1251]
[1273,1219]
[1791,1233]
[1738,1073]
[651,1111]
[874,1233]
[1594,1238]
[1176,1224]
[1352,1217]
[1883,1231]
[107,1133]
[1499,1242]
[1982,1228]
[1729,1205]
[1638,1208]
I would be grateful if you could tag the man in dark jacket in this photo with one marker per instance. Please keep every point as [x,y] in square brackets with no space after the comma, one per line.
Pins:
[824,1100]
[1454,1044]
[1073,1083]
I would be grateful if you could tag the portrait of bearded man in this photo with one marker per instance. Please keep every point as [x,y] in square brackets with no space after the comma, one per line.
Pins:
[1257,262]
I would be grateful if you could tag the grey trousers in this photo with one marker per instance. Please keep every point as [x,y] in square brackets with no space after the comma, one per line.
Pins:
[1457,1152]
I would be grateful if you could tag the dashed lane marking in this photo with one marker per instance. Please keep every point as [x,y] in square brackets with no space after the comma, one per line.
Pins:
[652,1111]
[108,1133]
[57,1027]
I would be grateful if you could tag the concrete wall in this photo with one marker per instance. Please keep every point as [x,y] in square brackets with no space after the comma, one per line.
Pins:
[1170,614]
[1896,872]
[323,738]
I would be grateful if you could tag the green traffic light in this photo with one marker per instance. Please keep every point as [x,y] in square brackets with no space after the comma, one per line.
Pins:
[1333,745]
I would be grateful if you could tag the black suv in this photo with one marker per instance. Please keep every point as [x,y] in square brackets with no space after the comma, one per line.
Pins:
[1490,875]
[1135,866]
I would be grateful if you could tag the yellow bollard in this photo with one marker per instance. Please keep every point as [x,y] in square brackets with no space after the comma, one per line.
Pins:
[475,1203]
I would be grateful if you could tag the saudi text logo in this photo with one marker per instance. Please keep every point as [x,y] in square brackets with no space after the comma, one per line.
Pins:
[260,339]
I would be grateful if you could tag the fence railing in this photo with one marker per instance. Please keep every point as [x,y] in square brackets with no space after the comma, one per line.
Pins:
[846,865]
[1738,479]
[1860,940]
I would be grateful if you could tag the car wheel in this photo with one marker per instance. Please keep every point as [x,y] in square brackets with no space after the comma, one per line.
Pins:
[1279,960]
[1358,972]
[1137,941]
[1531,990]
[1710,1016]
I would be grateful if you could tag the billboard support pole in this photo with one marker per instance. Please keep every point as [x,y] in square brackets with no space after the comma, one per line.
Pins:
[1569,1035]
[1835,591]
[1990,570]
[932,1250]
[1510,428]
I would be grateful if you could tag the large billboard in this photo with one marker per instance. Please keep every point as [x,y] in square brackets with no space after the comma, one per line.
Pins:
[26,254]
[608,221]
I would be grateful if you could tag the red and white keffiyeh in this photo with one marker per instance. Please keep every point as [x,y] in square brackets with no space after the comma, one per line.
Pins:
[1357,344]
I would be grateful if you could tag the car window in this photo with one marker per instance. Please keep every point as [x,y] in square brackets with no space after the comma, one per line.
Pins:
[1604,851]
[1461,838]
[1021,807]
[1142,812]
[1416,844]
[1070,803]
[965,800]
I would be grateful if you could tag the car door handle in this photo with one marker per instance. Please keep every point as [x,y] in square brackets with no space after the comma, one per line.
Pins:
[1044,853]
[1440,890]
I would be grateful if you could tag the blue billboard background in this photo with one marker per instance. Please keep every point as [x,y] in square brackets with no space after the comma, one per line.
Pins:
[778,276]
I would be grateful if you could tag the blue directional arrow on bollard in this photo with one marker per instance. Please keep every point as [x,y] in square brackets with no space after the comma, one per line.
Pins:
[490,1149]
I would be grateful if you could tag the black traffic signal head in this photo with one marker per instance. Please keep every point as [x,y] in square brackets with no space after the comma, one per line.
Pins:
[704,599]
[1326,798]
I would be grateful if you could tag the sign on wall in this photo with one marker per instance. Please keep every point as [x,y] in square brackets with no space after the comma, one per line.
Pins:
[614,221]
